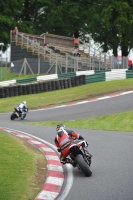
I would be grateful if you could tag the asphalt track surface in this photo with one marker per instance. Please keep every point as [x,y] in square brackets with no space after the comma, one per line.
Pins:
[112,163]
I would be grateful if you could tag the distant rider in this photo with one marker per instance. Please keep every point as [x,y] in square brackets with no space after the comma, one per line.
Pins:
[21,108]
[64,139]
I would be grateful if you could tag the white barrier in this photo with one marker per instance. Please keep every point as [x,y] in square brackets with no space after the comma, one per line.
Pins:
[115,75]
[7,83]
[78,73]
[47,77]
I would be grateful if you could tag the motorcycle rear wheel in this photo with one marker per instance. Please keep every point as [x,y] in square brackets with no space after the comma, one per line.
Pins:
[83,165]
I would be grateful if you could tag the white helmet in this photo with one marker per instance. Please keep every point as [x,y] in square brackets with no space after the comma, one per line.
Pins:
[60,127]
[24,102]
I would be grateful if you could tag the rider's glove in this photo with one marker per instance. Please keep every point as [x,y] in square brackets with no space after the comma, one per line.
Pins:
[59,150]
[80,137]
[86,144]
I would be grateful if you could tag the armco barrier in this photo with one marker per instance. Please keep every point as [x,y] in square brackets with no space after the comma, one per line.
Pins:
[95,78]
[129,74]
[67,75]
[27,80]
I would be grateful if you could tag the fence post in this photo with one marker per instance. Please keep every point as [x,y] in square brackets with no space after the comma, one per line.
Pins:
[105,65]
[44,39]
[66,63]
[38,65]
[56,64]
[99,60]
[111,63]
[90,64]
[77,63]
[11,36]
[1,44]
[27,42]
[16,38]
[22,37]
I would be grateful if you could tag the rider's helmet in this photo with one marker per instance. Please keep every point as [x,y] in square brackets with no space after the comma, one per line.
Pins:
[24,102]
[60,127]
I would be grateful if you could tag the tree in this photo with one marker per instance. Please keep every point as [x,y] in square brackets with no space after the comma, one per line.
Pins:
[8,19]
[29,15]
[112,24]
[60,17]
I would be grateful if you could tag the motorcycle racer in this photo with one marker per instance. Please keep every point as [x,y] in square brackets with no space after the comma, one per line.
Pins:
[64,139]
[22,107]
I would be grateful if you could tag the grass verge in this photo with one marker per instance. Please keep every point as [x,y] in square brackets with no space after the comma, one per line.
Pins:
[114,122]
[22,172]
[5,74]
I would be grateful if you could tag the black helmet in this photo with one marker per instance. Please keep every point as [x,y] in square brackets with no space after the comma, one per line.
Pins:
[60,127]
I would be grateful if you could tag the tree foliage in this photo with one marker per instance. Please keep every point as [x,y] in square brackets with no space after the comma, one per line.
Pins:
[60,17]
[114,19]
[8,13]
[109,23]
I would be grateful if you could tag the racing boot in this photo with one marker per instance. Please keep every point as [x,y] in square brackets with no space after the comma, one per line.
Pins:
[88,155]
[17,114]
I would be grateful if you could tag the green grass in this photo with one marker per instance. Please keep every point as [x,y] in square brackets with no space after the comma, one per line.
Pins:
[115,122]
[5,74]
[65,96]
[18,169]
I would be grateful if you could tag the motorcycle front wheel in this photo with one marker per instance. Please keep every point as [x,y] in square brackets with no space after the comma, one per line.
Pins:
[13,116]
[83,165]
[23,116]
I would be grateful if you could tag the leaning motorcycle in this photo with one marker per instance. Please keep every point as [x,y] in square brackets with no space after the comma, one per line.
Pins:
[17,114]
[80,158]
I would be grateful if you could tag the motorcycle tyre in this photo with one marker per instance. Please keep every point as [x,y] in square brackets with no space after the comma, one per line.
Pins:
[83,165]
[23,117]
[12,117]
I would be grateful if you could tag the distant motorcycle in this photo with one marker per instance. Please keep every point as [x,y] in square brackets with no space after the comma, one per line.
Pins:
[82,161]
[17,114]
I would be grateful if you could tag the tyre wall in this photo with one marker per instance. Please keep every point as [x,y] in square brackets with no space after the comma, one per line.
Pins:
[42,86]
